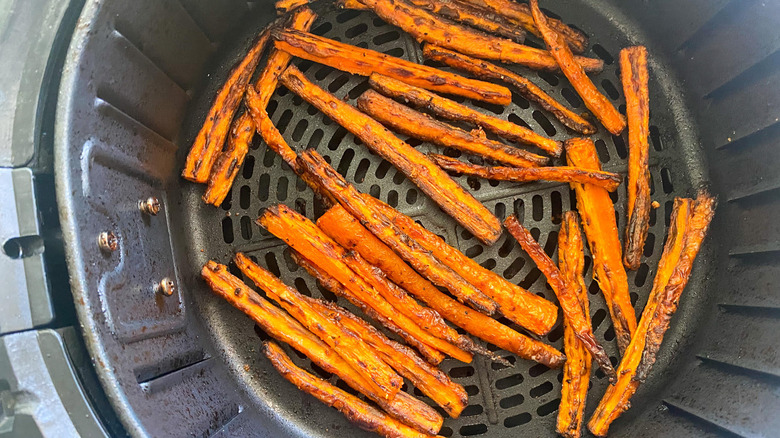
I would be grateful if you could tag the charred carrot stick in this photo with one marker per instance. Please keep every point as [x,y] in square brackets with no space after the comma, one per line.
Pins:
[303,236]
[596,102]
[424,26]
[285,328]
[520,14]
[452,110]
[341,226]
[363,62]
[208,143]
[689,224]
[284,6]
[633,73]
[607,180]
[356,410]
[374,220]
[526,309]
[432,355]
[529,90]
[576,371]
[435,384]
[448,194]
[568,299]
[401,118]
[226,166]
[602,235]
[242,131]
[352,348]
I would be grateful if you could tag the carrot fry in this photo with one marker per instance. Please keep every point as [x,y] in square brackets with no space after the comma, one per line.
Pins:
[520,14]
[448,194]
[363,62]
[357,353]
[285,328]
[356,410]
[405,120]
[602,234]
[284,6]
[526,309]
[596,102]
[567,297]
[434,383]
[374,220]
[242,131]
[689,223]
[208,143]
[303,236]
[529,90]
[576,371]
[341,226]
[633,72]
[452,110]
[463,12]
[230,160]
[424,26]
[432,355]
[607,180]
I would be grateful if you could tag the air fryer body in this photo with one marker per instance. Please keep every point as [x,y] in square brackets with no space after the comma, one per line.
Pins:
[106,97]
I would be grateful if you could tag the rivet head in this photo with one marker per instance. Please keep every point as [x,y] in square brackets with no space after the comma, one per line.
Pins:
[108,241]
[166,286]
[150,206]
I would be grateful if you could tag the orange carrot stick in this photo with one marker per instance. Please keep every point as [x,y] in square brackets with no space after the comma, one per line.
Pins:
[568,299]
[356,410]
[607,180]
[487,71]
[689,224]
[407,121]
[452,110]
[633,72]
[602,234]
[363,62]
[596,102]
[424,26]
[448,194]
[341,226]
[576,371]
[285,328]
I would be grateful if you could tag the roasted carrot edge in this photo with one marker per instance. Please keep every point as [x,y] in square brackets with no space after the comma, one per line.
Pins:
[688,228]
[596,102]
[356,410]
[452,110]
[576,370]
[401,118]
[602,234]
[465,13]
[606,180]
[347,231]
[230,160]
[634,76]
[486,70]
[284,328]
[569,301]
[284,6]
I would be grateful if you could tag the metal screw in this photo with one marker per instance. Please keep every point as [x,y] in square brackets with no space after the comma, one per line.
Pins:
[107,241]
[166,287]
[150,206]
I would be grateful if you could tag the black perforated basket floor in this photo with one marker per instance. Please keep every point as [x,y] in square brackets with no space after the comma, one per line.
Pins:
[504,401]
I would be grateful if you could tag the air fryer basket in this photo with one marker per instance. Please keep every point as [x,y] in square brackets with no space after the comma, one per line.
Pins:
[138,80]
